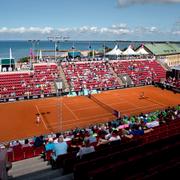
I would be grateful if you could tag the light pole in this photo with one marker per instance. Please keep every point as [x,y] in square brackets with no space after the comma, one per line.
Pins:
[33,42]
[89,50]
[104,51]
[56,40]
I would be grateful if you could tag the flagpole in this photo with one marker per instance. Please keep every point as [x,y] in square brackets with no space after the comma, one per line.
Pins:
[104,50]
[10,56]
[73,50]
[33,42]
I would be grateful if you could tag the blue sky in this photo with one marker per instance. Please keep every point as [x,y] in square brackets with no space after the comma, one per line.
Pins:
[90,19]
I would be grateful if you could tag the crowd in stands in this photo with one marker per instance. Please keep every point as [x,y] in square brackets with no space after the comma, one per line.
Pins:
[81,75]
[37,82]
[89,75]
[87,140]
[172,82]
[97,75]
[140,71]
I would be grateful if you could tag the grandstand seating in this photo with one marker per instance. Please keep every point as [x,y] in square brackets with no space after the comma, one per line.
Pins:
[79,75]
[160,135]
[90,75]
[172,82]
[16,84]
[131,162]
[18,152]
[140,71]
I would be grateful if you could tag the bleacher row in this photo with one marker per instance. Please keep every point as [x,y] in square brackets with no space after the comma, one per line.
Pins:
[140,71]
[79,75]
[37,82]
[19,152]
[137,158]
[98,75]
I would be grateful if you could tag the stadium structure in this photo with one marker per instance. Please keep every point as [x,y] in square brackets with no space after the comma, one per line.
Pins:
[95,117]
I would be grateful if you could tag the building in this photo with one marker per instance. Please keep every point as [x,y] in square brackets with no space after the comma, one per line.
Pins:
[168,53]
[7,64]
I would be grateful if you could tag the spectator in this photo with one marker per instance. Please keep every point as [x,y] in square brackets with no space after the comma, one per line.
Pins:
[26,143]
[38,141]
[59,148]
[50,145]
[86,149]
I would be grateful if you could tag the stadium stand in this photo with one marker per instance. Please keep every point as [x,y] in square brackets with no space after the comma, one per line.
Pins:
[94,75]
[21,84]
[141,71]
[90,75]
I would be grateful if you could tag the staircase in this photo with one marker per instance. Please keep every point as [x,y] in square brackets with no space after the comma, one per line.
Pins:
[53,88]
[63,77]
[126,79]
[115,75]
[164,65]
[36,169]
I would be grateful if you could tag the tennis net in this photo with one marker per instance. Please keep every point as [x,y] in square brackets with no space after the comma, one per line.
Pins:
[105,106]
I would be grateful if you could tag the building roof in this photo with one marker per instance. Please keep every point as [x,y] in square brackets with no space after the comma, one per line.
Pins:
[74,54]
[6,61]
[163,48]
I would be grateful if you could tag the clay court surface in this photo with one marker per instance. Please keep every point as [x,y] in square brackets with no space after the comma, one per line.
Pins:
[18,119]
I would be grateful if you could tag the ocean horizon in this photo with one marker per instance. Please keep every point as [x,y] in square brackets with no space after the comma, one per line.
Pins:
[21,48]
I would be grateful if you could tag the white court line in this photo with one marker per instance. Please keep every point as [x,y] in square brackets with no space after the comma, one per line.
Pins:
[156,102]
[142,108]
[71,111]
[41,117]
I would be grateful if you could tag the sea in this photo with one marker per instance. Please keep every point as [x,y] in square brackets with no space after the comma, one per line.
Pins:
[22,48]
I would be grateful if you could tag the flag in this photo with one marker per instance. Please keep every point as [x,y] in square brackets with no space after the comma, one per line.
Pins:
[40,55]
[31,54]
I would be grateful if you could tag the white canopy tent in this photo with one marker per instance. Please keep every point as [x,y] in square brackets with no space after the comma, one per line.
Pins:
[114,52]
[141,51]
[129,51]
[40,55]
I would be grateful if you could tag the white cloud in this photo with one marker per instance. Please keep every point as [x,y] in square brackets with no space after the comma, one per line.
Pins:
[130,2]
[176,32]
[147,30]
[45,30]
[116,31]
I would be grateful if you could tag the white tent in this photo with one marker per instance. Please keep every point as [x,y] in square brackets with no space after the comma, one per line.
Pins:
[141,51]
[129,51]
[10,54]
[115,51]
[40,55]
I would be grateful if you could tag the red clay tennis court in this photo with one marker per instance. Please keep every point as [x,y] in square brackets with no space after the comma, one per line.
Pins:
[18,119]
